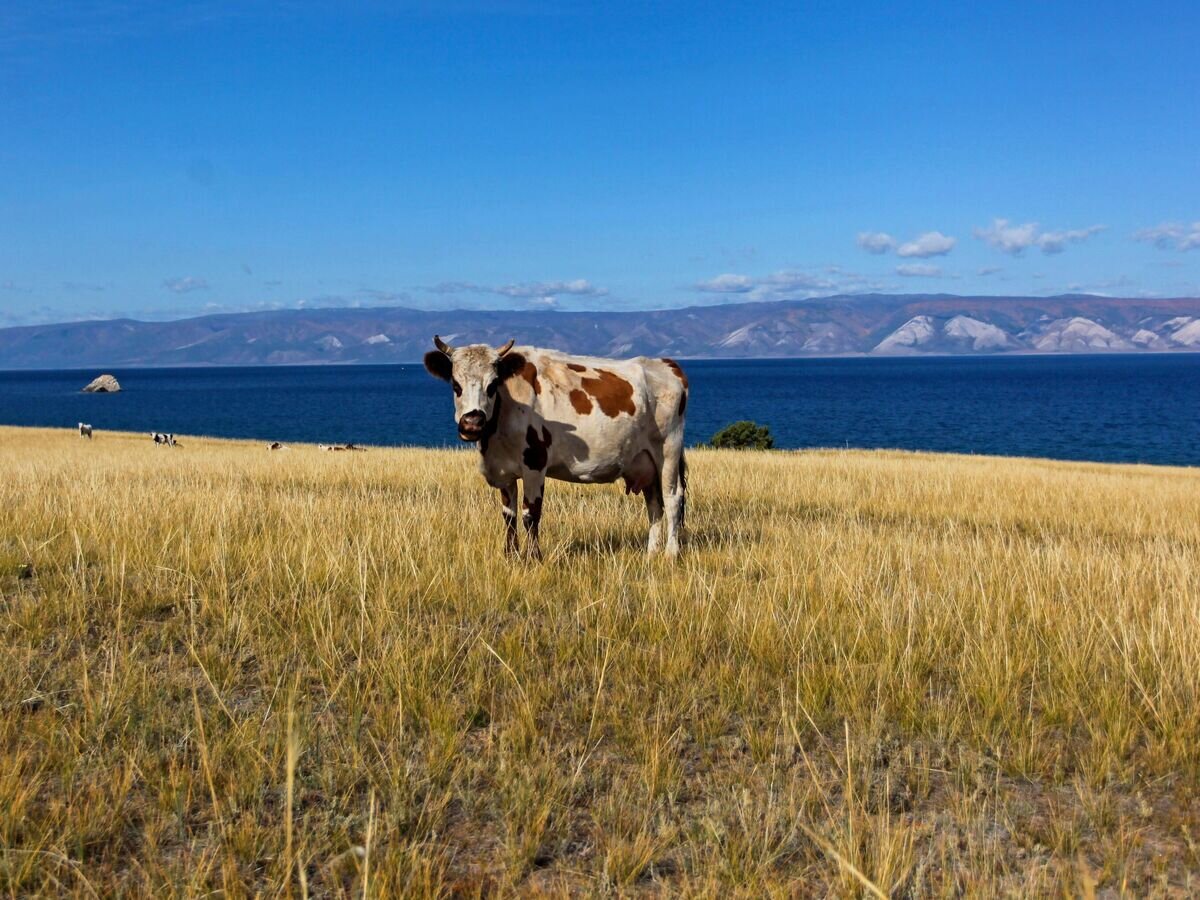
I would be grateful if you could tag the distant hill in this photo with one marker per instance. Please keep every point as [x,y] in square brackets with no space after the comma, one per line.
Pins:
[873,324]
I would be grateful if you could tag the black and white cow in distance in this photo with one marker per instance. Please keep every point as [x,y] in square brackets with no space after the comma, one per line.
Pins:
[163,440]
[539,414]
[85,430]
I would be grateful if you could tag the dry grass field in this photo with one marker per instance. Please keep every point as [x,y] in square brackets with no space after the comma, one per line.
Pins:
[304,673]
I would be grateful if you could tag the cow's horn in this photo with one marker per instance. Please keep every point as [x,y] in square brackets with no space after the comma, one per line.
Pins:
[507,346]
[442,345]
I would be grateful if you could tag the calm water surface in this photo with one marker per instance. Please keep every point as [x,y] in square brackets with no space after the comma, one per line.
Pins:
[1105,408]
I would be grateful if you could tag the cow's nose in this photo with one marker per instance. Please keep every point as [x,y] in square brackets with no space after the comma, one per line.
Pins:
[471,423]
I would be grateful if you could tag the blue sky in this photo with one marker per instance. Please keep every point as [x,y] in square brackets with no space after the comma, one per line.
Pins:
[161,160]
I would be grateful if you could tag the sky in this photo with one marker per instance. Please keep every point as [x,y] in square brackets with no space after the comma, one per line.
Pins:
[160,160]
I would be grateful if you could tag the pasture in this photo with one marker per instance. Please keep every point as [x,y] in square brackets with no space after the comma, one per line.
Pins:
[870,673]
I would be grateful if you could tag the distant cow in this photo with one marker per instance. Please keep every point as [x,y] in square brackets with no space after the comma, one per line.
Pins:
[276,445]
[85,430]
[539,414]
[339,448]
[164,440]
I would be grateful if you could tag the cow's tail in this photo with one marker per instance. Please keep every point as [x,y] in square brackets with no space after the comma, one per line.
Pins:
[683,473]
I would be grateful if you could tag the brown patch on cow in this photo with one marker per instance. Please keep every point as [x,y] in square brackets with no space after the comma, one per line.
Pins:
[536,449]
[679,373]
[612,393]
[581,402]
[530,373]
[576,367]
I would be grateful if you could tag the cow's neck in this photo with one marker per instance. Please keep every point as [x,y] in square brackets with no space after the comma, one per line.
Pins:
[491,425]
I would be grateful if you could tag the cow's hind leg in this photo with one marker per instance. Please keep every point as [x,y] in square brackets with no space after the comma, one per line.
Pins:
[508,508]
[531,511]
[674,488]
[654,511]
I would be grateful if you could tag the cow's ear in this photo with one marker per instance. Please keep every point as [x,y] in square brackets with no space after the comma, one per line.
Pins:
[438,365]
[509,365]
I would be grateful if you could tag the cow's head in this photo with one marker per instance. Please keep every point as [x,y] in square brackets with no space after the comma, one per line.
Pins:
[476,373]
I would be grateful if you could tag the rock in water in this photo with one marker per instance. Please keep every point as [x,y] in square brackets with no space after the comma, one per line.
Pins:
[105,384]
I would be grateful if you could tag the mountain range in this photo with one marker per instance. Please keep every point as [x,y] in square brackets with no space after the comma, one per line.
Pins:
[867,324]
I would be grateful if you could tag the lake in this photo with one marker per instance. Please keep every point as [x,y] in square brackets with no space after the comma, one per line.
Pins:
[1123,408]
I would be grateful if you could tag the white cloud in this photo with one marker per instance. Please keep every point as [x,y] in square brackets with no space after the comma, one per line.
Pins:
[990,270]
[931,243]
[1012,239]
[1016,239]
[876,242]
[918,270]
[1171,236]
[185,285]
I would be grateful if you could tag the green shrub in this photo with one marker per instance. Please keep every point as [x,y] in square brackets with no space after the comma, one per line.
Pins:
[744,435]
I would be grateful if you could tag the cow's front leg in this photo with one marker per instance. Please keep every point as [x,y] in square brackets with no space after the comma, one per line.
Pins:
[531,506]
[508,508]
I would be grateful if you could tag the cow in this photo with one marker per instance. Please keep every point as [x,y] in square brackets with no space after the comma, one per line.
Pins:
[85,430]
[538,414]
[163,440]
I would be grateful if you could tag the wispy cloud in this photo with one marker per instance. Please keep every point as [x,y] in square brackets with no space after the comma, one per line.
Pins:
[931,243]
[1171,236]
[1016,239]
[532,293]
[788,284]
[918,270]
[186,284]
[9,285]
[83,286]
[727,284]
[877,242]
[989,270]
[1122,283]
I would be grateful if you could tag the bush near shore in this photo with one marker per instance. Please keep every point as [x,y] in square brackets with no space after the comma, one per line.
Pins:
[870,673]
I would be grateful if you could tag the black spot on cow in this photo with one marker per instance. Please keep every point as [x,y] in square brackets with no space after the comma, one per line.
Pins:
[536,448]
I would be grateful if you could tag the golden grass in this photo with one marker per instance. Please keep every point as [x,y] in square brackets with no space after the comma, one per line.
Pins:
[870,673]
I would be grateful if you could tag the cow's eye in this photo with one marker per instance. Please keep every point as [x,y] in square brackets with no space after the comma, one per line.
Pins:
[457,387]
[492,385]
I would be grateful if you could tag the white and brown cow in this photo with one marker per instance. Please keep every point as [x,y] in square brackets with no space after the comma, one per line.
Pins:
[539,414]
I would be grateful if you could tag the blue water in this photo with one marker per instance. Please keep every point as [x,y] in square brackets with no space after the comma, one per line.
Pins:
[1105,408]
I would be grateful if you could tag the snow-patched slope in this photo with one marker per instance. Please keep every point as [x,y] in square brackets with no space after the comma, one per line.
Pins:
[982,335]
[1076,335]
[1143,337]
[912,334]
[1188,335]
[378,339]
[739,337]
